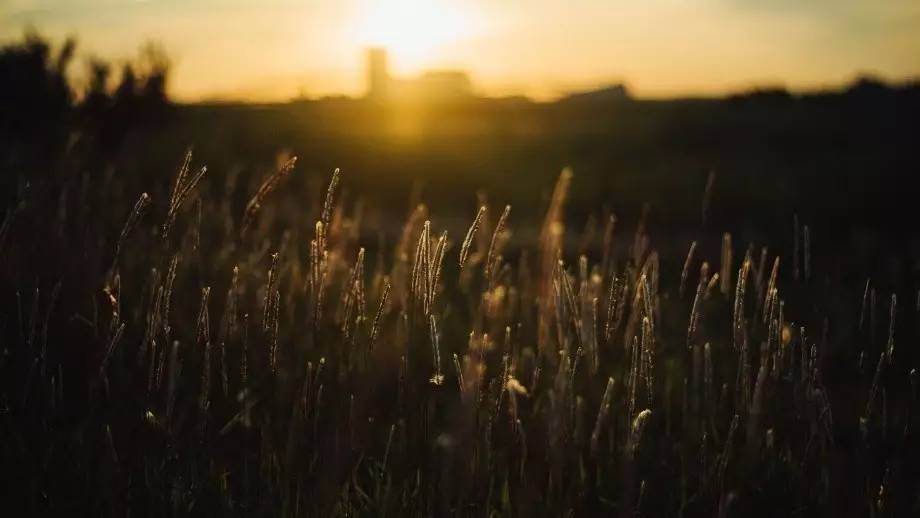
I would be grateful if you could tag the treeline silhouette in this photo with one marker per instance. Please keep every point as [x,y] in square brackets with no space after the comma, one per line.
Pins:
[44,109]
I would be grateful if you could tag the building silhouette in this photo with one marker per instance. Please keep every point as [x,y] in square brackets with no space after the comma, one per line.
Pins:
[377,75]
[431,85]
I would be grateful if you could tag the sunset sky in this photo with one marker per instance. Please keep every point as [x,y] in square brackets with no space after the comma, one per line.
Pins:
[277,49]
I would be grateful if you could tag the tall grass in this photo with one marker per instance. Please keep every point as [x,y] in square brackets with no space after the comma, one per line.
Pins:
[413,377]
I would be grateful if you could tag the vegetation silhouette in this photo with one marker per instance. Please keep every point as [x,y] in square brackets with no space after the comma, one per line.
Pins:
[710,313]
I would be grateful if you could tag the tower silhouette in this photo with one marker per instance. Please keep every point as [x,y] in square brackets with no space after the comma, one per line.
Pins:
[378,77]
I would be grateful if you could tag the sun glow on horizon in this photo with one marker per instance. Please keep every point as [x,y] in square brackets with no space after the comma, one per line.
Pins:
[415,33]
[273,50]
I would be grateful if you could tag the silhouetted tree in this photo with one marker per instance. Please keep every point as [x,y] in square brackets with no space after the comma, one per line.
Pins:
[35,103]
[154,65]
[40,112]
[33,84]
[97,98]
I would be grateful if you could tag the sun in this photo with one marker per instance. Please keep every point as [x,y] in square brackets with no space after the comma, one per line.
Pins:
[415,33]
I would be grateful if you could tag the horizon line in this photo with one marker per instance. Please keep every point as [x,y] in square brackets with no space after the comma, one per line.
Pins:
[720,94]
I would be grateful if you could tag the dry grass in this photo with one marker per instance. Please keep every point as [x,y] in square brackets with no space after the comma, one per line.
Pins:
[338,398]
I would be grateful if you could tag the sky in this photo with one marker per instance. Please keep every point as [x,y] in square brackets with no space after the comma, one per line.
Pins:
[267,50]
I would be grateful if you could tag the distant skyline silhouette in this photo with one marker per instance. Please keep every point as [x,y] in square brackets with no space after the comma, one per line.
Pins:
[430,85]
[282,49]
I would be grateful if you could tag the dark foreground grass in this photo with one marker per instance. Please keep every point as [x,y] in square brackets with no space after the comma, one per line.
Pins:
[222,347]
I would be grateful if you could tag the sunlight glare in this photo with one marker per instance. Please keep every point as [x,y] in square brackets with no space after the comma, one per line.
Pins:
[413,32]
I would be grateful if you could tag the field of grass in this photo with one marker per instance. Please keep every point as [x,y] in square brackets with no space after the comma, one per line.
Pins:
[219,343]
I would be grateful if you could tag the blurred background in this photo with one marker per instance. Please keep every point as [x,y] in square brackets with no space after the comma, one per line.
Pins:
[786,109]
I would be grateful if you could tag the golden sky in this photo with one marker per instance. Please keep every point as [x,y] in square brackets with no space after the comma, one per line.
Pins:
[277,49]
